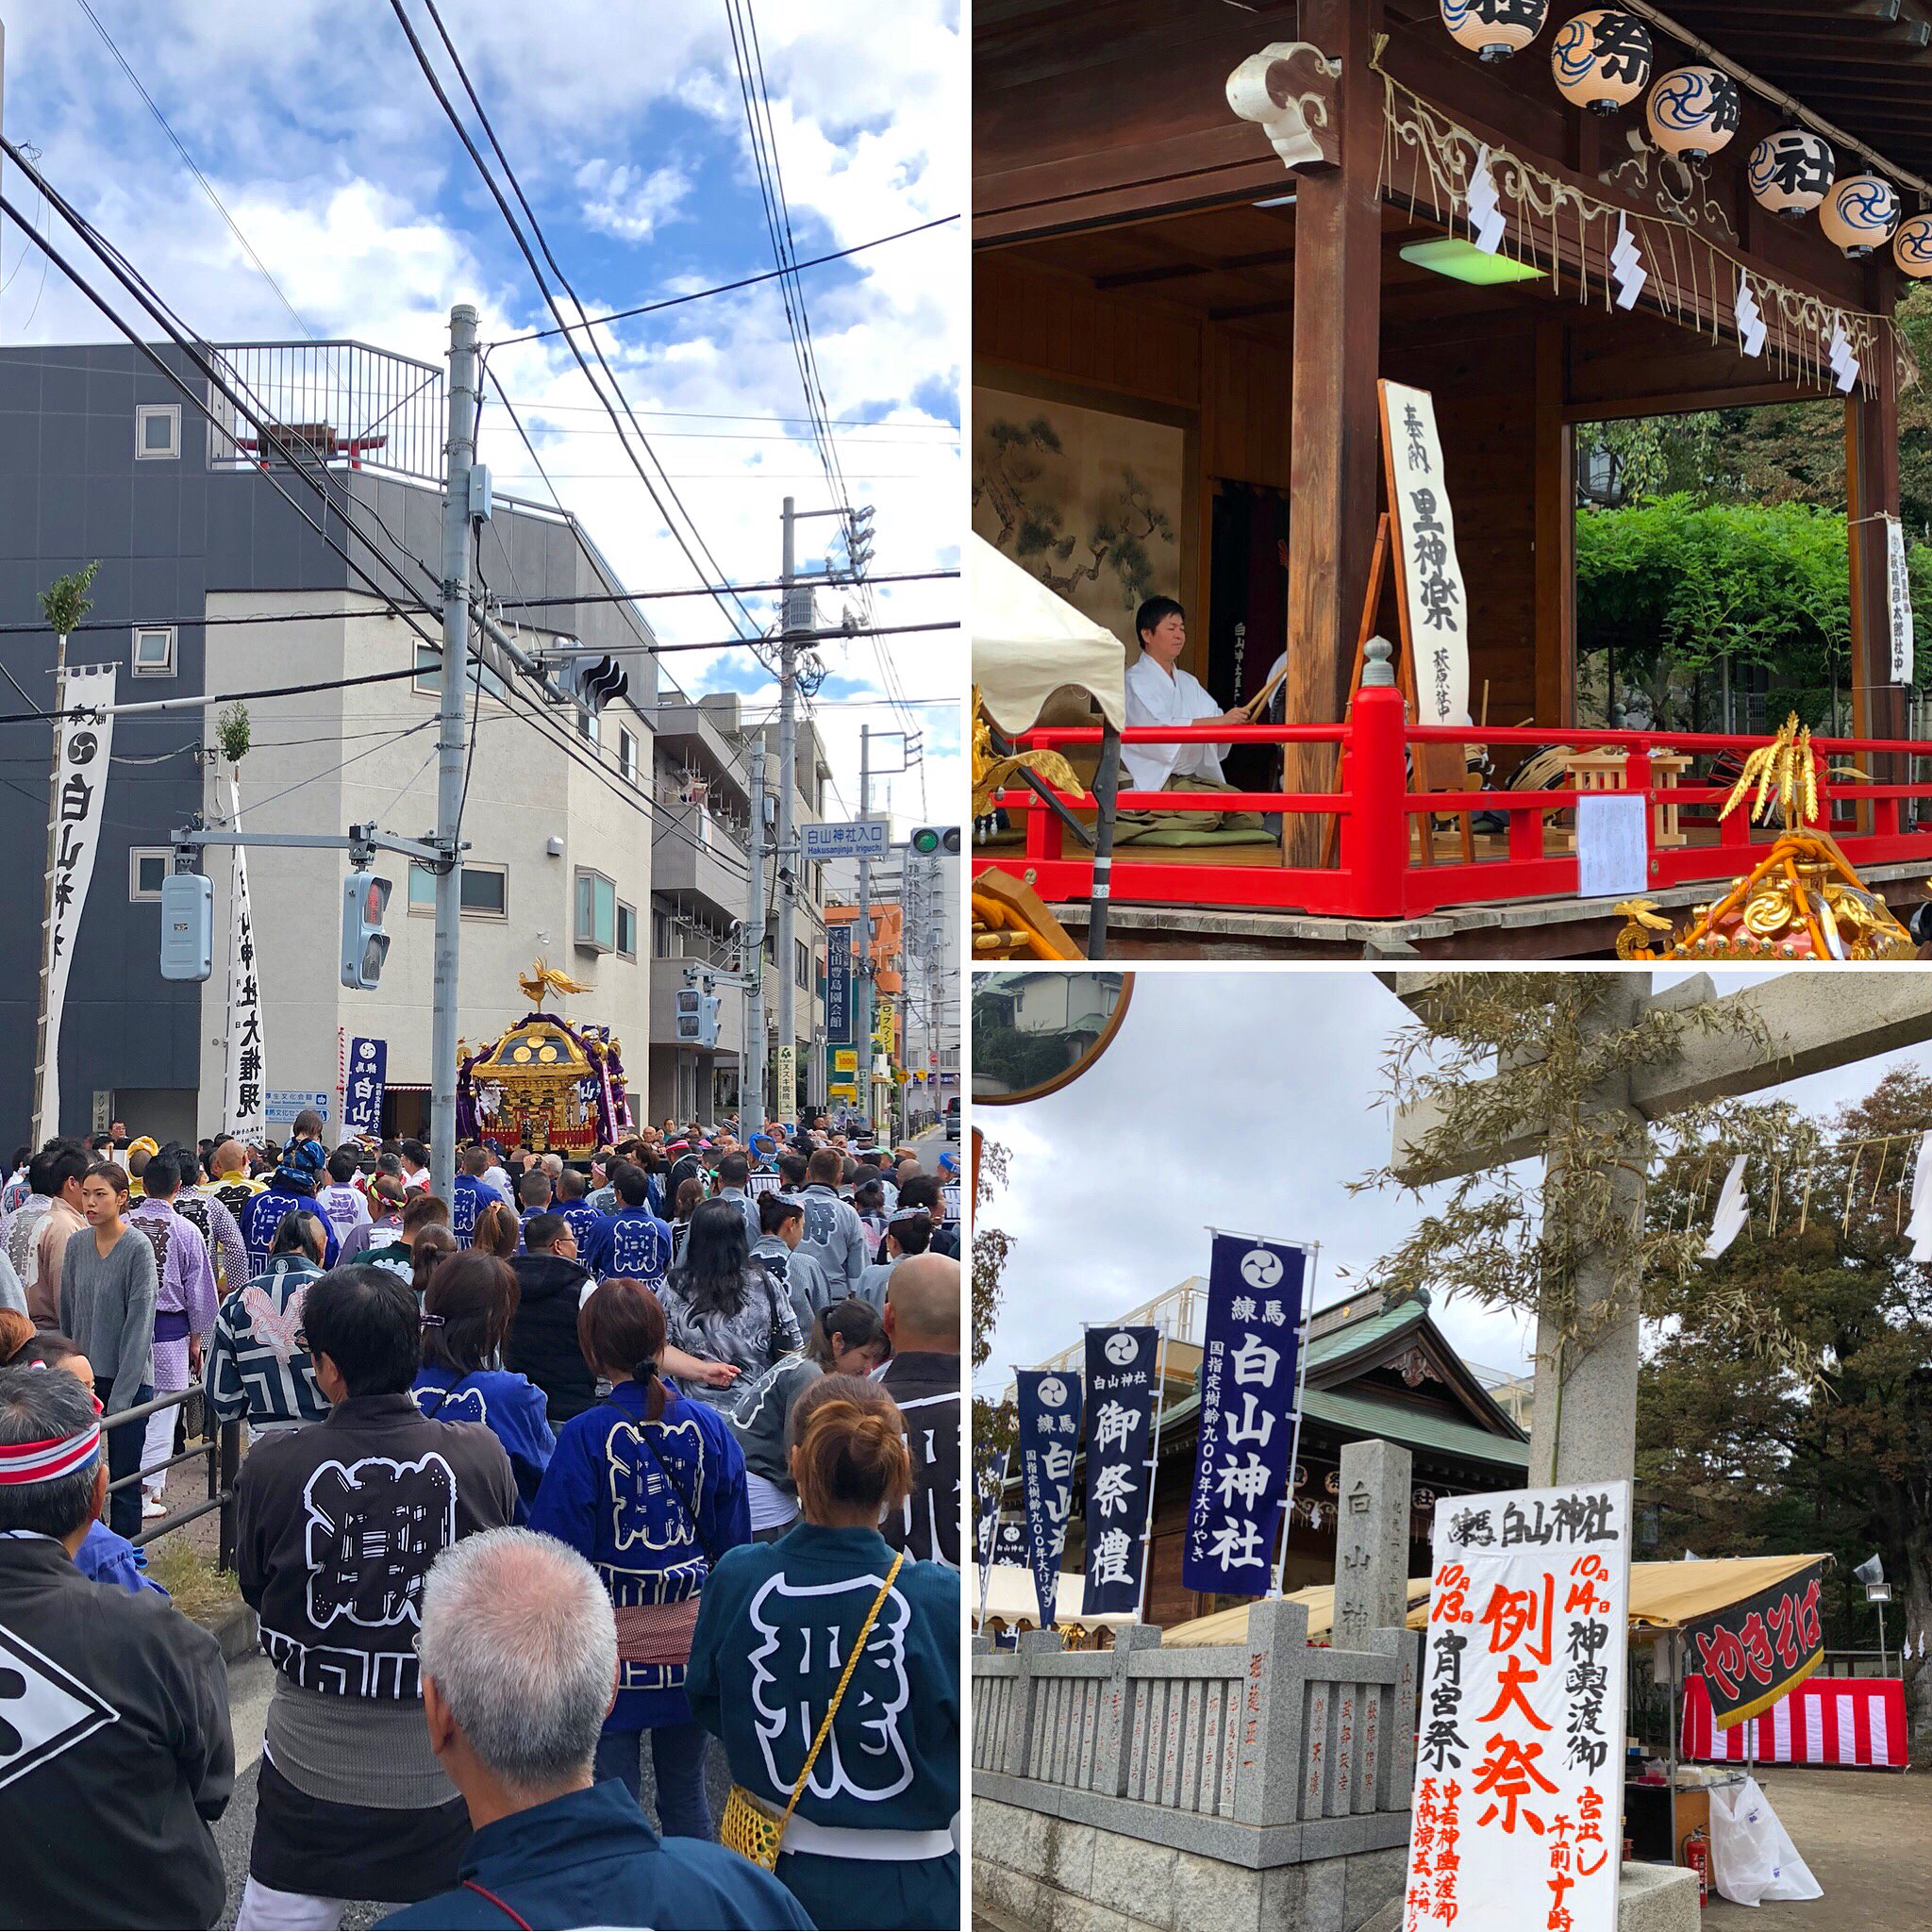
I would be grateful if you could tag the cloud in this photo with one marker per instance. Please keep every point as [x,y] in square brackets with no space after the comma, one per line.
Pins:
[627,203]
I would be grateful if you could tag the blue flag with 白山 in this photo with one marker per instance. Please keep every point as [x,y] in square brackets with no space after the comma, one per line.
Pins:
[1049,1435]
[1120,1463]
[1248,1362]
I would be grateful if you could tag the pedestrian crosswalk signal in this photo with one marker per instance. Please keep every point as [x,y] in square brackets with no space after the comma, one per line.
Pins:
[188,925]
[365,945]
[697,1017]
[929,841]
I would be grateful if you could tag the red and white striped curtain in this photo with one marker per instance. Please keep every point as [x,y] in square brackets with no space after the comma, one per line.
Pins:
[1855,1720]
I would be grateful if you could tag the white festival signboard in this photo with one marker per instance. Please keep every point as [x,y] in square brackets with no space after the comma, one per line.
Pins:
[245,1083]
[1519,1790]
[1898,585]
[1435,606]
[80,792]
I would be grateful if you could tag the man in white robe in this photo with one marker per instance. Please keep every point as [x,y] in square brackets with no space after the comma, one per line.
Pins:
[1159,693]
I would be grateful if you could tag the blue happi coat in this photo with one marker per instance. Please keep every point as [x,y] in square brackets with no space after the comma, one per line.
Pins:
[607,1497]
[467,1197]
[587,1226]
[777,1626]
[264,1212]
[510,1406]
[633,1244]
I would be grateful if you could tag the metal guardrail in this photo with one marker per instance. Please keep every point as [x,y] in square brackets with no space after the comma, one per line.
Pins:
[344,404]
[221,1452]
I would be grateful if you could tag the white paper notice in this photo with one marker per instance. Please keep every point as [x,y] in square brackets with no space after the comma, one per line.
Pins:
[1431,574]
[1520,1762]
[1899,596]
[1613,845]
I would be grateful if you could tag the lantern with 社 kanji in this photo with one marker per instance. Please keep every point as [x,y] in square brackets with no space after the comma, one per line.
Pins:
[1791,172]
[1495,29]
[1693,111]
[1601,60]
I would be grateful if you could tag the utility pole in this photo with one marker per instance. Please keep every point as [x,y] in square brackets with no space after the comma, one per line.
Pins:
[751,1105]
[463,398]
[788,762]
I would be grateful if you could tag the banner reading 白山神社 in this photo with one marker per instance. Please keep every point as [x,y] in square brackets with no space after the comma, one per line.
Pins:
[1120,1463]
[1049,1434]
[80,792]
[1248,1360]
[1519,1778]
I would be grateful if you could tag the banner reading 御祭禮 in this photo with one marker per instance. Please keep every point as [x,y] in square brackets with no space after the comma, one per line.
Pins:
[1049,1435]
[1520,1760]
[244,1088]
[1256,1291]
[1120,1463]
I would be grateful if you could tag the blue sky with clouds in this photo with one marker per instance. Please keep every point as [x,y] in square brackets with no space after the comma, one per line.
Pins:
[628,130]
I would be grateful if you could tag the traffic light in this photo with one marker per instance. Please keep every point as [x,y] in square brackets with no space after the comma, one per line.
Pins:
[697,1017]
[931,841]
[365,945]
[188,925]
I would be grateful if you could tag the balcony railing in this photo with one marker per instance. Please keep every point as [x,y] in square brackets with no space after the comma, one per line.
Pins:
[343,405]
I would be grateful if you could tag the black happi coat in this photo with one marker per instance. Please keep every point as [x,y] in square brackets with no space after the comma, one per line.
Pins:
[926,1387]
[339,1524]
[115,1753]
[543,1338]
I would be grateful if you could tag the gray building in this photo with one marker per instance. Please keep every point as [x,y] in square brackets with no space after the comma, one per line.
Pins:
[103,458]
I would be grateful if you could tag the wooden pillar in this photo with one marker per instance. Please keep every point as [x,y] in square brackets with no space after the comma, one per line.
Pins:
[1335,438]
[1556,533]
[1871,490]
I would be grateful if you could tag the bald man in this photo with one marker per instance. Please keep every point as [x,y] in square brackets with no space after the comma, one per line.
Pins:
[923,1378]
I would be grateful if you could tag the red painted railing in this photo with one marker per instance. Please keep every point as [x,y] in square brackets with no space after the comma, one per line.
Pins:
[1375,875]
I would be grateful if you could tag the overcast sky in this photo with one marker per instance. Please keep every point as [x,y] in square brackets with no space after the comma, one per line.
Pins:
[627,132]
[1235,1099]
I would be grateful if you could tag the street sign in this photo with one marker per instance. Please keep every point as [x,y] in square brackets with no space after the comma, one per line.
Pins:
[860,839]
[839,984]
[280,1107]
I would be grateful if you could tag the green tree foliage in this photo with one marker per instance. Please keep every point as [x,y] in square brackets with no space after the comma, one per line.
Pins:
[1741,1454]
[1676,586]
[993,1423]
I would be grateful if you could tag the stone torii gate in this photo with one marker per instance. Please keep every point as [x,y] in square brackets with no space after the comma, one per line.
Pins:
[1808,1024]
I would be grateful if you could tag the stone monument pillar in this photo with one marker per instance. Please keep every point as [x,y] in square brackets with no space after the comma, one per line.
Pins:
[1372,1542]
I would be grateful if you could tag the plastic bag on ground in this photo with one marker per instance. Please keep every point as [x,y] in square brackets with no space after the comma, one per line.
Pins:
[1751,1856]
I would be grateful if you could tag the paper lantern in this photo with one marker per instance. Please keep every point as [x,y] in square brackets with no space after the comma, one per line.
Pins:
[1911,248]
[1859,214]
[1495,29]
[1693,111]
[1791,172]
[1601,60]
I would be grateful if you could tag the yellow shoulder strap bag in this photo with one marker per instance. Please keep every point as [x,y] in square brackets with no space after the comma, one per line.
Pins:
[748,1827]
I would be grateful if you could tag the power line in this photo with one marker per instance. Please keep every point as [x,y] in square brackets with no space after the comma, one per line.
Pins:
[157,706]
[595,322]
[496,194]
[206,187]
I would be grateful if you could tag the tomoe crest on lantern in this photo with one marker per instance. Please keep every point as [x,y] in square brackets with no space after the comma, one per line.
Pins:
[1495,29]
[1911,248]
[1693,111]
[1791,172]
[1860,213]
[1601,60]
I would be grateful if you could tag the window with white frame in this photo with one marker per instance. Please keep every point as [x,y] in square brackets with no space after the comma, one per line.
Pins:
[154,651]
[596,912]
[627,931]
[660,933]
[628,754]
[801,962]
[147,866]
[156,432]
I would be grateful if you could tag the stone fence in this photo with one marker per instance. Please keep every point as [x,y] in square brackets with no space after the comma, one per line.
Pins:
[1261,1754]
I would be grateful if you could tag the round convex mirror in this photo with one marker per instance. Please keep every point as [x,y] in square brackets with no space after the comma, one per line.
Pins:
[1035,1031]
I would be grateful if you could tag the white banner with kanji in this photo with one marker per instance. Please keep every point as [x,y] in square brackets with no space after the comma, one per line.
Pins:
[1520,1753]
[243,1086]
[85,737]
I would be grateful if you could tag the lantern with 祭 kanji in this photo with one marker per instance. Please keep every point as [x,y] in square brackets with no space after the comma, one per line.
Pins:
[1601,60]
[1791,172]
[1693,111]
[1911,248]
[1859,214]
[1495,29]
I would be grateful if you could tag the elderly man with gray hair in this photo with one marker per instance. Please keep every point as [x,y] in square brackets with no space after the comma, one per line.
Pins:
[519,1651]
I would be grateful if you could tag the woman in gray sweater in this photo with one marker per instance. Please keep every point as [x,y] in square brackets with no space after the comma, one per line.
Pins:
[108,1290]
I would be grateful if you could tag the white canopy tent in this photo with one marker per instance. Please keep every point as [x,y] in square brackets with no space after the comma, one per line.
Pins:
[1011,1597]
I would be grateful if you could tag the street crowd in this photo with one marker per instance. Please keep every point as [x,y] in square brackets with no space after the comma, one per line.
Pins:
[657,1451]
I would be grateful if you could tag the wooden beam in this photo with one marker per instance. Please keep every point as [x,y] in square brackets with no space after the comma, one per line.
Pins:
[1555,531]
[1814,24]
[1335,435]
